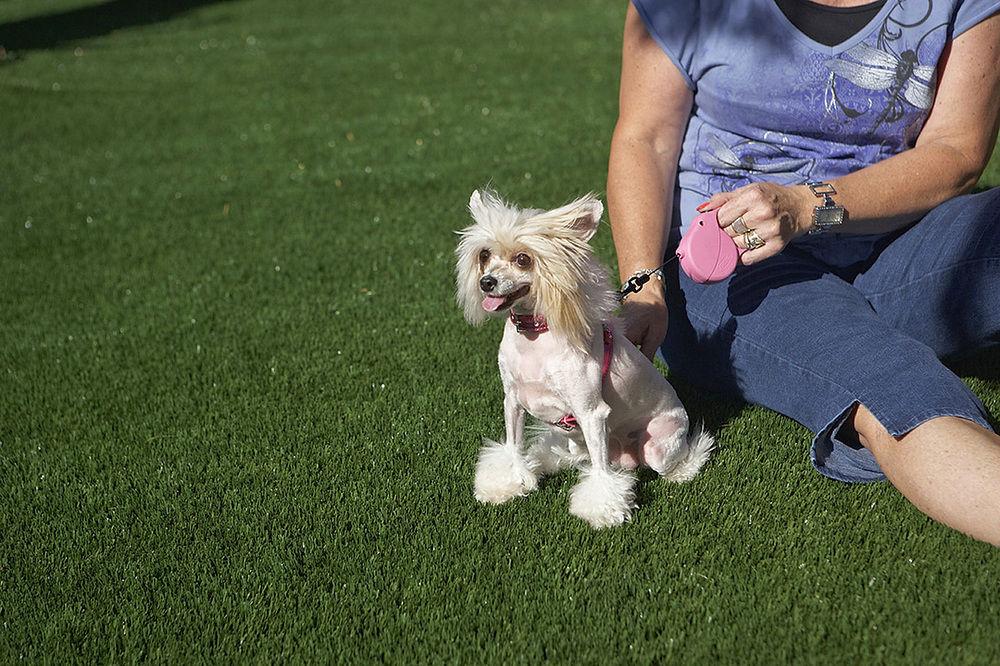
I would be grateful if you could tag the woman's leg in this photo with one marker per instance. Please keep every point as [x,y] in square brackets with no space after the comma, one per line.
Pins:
[939,281]
[948,467]
[790,335]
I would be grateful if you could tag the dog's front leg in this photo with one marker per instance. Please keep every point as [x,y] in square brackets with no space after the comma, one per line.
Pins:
[503,472]
[604,496]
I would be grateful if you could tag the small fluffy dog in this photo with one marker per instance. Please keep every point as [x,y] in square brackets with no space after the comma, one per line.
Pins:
[564,361]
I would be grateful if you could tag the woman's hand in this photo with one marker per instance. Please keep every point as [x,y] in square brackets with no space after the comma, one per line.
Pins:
[644,315]
[777,214]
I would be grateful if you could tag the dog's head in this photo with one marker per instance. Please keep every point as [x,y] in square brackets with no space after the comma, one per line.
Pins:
[533,261]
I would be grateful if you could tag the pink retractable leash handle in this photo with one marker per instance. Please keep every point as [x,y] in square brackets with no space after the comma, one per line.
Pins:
[706,252]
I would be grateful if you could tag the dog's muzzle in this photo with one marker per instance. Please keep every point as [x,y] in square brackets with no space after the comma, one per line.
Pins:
[487,283]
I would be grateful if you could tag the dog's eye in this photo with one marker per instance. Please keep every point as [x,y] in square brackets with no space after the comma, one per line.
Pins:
[484,256]
[523,261]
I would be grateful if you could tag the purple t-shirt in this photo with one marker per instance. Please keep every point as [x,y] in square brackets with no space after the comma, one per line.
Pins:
[772,104]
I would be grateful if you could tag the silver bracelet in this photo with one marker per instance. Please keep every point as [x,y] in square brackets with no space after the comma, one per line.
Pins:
[637,280]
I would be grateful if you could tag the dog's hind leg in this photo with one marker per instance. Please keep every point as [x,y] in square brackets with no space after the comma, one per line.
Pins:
[670,452]
[664,442]
[503,472]
[550,451]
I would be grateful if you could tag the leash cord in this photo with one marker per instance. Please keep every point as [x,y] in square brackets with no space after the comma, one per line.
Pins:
[634,284]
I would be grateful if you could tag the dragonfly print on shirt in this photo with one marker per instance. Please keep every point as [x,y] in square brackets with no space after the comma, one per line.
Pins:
[890,68]
[747,160]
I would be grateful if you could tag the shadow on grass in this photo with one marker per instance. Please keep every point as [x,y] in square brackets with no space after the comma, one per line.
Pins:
[715,410]
[983,364]
[53,30]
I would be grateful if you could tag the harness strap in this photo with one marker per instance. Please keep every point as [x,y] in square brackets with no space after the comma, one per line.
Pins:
[569,422]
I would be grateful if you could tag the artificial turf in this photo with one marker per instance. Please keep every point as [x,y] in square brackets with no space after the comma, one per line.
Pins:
[239,410]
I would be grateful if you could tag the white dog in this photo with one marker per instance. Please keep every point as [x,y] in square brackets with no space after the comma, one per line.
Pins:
[564,360]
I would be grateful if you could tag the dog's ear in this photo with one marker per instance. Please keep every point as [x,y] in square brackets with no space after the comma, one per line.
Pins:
[581,217]
[478,204]
[586,216]
[467,291]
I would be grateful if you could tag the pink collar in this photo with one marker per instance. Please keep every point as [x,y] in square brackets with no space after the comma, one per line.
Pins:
[528,323]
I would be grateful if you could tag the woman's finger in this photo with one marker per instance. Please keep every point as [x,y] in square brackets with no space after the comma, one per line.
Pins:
[772,246]
[635,330]
[648,346]
[740,240]
[766,231]
[730,211]
[754,256]
[634,335]
[715,201]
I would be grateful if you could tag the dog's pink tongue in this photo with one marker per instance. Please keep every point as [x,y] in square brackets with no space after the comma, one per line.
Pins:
[493,303]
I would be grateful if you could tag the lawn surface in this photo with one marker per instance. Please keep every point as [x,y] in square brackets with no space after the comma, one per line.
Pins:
[239,410]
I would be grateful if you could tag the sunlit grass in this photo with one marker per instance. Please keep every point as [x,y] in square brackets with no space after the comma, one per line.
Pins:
[239,410]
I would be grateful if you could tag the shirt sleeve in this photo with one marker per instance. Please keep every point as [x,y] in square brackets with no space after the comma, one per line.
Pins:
[674,24]
[971,13]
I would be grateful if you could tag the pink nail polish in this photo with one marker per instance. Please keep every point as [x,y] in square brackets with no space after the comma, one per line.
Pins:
[701,207]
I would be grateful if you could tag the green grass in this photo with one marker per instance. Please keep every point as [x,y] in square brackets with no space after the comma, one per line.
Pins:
[239,410]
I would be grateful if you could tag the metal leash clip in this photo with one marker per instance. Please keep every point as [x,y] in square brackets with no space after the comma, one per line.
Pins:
[637,281]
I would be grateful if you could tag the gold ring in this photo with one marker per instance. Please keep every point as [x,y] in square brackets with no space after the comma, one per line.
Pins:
[739,226]
[752,240]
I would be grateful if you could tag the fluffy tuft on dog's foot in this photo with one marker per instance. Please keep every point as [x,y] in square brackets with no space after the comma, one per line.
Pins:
[502,473]
[700,447]
[603,499]
[549,452]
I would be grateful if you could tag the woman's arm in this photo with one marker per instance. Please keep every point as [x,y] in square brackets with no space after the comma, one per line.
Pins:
[951,152]
[654,106]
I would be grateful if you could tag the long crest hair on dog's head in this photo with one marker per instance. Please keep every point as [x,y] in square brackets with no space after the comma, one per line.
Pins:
[494,221]
[570,287]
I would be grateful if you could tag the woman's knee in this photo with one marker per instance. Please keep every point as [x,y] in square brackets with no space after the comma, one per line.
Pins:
[975,214]
[870,432]
[875,437]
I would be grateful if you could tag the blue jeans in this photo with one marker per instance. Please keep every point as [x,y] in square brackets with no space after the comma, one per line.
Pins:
[838,320]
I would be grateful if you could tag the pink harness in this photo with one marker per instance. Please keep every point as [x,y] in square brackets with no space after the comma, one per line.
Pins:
[537,324]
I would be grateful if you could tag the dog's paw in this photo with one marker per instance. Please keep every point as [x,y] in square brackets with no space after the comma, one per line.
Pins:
[502,473]
[603,499]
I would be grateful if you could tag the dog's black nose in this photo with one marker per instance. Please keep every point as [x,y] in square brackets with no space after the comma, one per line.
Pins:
[487,283]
